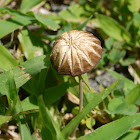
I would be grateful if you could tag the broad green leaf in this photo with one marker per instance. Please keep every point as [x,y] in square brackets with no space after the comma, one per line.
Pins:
[52,76]
[7,61]
[133,95]
[47,21]
[26,5]
[90,106]
[109,43]
[30,67]
[112,28]
[115,55]
[113,130]
[12,24]
[53,94]
[4,119]
[23,72]
[90,95]
[29,104]
[80,27]
[30,43]
[76,10]
[119,106]
[35,65]
[48,124]
[128,84]
[134,5]
[8,88]
[131,135]
[3,79]
[54,17]
[90,122]
[38,85]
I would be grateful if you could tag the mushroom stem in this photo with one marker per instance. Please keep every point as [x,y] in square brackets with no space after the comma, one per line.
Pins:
[81,100]
[81,93]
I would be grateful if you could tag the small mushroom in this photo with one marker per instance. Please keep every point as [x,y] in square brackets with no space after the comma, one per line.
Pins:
[74,53]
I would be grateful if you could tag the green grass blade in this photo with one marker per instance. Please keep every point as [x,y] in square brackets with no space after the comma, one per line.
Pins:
[114,129]
[24,130]
[81,26]
[90,106]
[26,5]
[49,124]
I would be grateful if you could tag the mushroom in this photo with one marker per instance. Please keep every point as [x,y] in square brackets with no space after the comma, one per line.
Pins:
[74,53]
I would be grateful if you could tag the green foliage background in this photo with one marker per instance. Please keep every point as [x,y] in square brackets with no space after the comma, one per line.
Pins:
[33,95]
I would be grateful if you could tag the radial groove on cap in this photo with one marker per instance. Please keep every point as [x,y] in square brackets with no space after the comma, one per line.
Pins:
[75,52]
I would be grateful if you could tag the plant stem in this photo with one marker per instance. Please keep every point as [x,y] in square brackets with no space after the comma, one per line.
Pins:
[81,100]
[81,93]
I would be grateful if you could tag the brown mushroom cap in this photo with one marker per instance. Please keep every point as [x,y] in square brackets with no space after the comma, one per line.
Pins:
[75,52]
